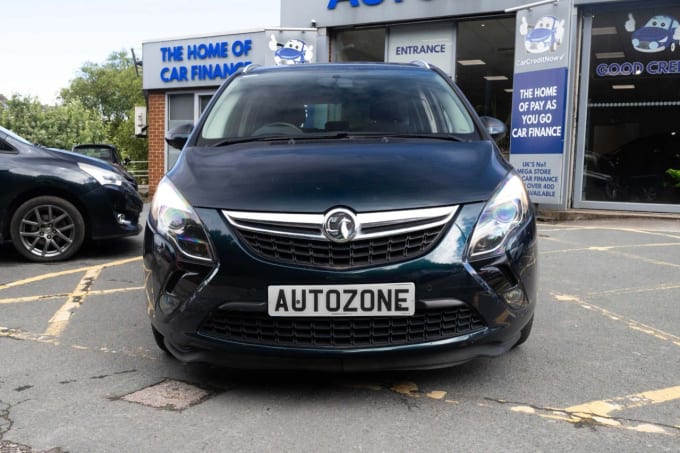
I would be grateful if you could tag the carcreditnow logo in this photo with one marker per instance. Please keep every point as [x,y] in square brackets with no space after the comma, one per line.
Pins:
[356,3]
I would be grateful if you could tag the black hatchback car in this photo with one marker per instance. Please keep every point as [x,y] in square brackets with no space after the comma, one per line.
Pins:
[340,217]
[51,201]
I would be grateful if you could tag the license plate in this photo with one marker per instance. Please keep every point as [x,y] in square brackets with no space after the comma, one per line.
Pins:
[390,299]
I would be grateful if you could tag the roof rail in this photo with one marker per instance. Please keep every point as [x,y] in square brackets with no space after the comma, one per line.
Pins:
[250,67]
[422,64]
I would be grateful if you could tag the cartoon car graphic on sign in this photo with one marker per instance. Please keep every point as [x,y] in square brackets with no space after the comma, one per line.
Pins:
[294,51]
[546,35]
[659,33]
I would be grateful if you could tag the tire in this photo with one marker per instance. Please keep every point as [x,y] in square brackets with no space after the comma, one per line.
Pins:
[526,331]
[46,229]
[159,339]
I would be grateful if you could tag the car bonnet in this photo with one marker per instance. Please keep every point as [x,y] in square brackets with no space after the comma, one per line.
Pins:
[314,177]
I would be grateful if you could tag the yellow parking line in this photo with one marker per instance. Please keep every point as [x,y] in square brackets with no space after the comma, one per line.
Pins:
[41,277]
[41,338]
[18,300]
[632,324]
[601,412]
[103,292]
[604,408]
[608,248]
[60,319]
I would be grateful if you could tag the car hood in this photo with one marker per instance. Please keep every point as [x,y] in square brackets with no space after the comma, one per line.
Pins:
[314,177]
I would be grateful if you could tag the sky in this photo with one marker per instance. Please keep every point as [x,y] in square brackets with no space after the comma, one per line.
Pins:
[44,43]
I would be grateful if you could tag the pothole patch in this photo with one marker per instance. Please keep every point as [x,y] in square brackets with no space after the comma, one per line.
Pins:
[170,394]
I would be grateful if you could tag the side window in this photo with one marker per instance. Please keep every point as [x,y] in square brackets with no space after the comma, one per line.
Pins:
[5,148]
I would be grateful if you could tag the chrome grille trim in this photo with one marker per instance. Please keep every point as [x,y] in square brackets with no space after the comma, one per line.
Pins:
[371,224]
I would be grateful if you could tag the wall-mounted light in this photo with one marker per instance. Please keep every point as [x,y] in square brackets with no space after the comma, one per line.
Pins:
[605,55]
[601,31]
[471,62]
[495,78]
[624,87]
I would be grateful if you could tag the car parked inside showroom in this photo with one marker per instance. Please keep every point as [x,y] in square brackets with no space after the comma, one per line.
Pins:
[340,217]
[108,153]
[52,201]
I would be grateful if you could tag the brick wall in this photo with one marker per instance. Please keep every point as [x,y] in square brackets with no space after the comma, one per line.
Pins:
[156,134]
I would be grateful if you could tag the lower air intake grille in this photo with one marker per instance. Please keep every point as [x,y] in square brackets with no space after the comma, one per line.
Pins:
[261,329]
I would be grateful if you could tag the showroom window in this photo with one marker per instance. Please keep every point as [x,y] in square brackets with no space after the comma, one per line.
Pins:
[367,44]
[632,138]
[485,65]
[183,108]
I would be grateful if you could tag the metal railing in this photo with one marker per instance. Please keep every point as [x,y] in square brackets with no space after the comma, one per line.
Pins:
[140,170]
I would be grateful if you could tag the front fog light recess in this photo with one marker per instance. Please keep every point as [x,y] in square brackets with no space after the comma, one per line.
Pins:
[175,219]
[504,212]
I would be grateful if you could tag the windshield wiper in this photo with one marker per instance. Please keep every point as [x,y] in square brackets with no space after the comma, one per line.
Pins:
[261,138]
[449,137]
[290,138]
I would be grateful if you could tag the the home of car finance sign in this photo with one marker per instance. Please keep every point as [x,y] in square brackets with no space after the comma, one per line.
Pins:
[537,133]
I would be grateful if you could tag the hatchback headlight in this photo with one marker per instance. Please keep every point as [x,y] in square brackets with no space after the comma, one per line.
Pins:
[503,214]
[102,175]
[173,218]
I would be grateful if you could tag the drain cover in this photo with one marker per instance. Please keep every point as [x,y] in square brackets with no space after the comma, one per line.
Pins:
[169,394]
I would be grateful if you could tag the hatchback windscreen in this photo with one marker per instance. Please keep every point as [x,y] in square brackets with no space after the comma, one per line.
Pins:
[319,103]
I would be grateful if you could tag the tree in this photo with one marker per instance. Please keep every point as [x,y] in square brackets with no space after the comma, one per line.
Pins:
[60,126]
[113,89]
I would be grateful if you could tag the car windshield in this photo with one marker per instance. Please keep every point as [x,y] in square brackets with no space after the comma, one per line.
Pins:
[336,102]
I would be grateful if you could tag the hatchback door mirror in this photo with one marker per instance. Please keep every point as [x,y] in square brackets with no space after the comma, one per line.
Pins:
[494,126]
[178,135]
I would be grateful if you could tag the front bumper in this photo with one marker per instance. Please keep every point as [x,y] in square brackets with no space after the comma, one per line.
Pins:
[182,294]
[113,211]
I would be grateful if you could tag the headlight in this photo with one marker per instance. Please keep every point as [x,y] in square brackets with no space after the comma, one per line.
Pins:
[504,212]
[176,220]
[102,175]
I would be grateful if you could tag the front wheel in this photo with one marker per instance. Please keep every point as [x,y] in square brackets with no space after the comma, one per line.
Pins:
[47,229]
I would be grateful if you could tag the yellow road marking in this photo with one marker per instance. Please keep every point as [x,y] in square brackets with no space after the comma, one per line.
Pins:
[611,292]
[600,412]
[60,319]
[41,338]
[41,277]
[632,324]
[604,408]
[18,300]
[607,248]
[103,292]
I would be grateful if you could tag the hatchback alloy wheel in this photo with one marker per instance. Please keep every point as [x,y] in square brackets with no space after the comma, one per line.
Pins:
[47,229]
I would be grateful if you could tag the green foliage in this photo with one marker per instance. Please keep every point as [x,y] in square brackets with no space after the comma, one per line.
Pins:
[675,174]
[97,107]
[60,126]
[113,89]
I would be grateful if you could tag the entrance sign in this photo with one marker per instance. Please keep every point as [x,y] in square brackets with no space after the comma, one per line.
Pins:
[539,100]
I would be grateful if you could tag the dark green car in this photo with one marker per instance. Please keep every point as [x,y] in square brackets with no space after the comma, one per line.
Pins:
[340,217]
[51,201]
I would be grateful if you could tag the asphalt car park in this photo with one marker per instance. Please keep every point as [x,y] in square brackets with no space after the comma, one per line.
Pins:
[80,371]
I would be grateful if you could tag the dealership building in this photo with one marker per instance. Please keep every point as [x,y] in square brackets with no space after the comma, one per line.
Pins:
[589,89]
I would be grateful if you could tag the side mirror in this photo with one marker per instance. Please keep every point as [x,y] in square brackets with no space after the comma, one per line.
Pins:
[178,135]
[494,126]
[126,161]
